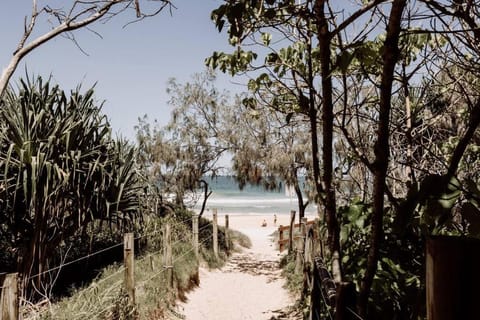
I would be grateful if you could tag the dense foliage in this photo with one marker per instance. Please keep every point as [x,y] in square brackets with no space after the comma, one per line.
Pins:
[379,107]
[60,171]
[180,155]
[390,90]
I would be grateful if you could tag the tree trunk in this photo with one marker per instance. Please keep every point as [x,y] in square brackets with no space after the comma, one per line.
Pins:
[7,74]
[381,150]
[404,215]
[33,259]
[408,132]
[324,41]
[298,191]
[206,195]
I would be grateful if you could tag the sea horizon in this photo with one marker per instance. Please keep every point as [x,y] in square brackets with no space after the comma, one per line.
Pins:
[227,197]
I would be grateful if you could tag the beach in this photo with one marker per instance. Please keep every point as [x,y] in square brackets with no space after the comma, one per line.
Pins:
[250,285]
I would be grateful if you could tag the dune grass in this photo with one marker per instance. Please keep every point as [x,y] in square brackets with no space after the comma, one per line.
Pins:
[105,299]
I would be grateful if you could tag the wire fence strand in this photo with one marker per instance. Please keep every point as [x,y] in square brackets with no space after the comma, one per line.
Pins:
[76,260]
[164,268]
[100,251]
[204,227]
[159,230]
[354,313]
[189,251]
[95,284]
[326,304]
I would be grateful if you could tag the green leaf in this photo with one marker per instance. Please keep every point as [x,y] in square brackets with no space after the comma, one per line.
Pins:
[220,24]
[344,60]
[266,38]
[252,85]
[360,222]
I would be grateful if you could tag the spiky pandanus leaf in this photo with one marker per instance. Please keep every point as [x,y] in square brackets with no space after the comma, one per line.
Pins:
[59,169]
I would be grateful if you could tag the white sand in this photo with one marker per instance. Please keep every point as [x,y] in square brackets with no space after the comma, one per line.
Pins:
[250,286]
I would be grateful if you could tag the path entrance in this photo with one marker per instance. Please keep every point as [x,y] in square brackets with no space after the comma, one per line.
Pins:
[250,286]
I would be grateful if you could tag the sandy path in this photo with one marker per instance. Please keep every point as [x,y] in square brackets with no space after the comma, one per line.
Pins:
[250,286]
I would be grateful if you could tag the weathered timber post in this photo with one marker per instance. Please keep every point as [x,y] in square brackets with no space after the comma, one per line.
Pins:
[290,235]
[280,238]
[167,256]
[308,257]
[195,233]
[128,259]
[227,237]
[215,233]
[9,297]
[300,246]
[452,278]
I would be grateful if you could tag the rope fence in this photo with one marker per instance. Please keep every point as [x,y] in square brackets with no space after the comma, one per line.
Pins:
[180,237]
[329,300]
[98,252]
[162,271]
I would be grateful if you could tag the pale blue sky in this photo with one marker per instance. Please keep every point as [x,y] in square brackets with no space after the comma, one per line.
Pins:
[130,65]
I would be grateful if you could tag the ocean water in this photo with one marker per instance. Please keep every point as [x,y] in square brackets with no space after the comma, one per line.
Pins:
[228,198]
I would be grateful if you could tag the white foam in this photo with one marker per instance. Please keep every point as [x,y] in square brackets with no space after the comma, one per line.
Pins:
[249,201]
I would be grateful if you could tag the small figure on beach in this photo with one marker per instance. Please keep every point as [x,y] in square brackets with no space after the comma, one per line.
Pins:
[275,219]
[264,223]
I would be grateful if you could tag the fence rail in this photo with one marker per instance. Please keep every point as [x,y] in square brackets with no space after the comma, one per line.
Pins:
[283,240]
[328,300]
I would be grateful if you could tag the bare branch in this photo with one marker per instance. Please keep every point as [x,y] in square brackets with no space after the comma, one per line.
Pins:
[80,15]
[28,29]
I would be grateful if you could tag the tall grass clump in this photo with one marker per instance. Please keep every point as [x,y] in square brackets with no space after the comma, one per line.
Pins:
[60,171]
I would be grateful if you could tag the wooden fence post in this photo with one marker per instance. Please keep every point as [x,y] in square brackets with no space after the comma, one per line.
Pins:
[290,235]
[167,257]
[227,237]
[452,278]
[9,297]
[128,259]
[300,246]
[280,238]
[215,234]
[195,233]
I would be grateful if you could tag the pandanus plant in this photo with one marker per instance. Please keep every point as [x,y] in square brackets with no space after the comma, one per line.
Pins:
[60,170]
